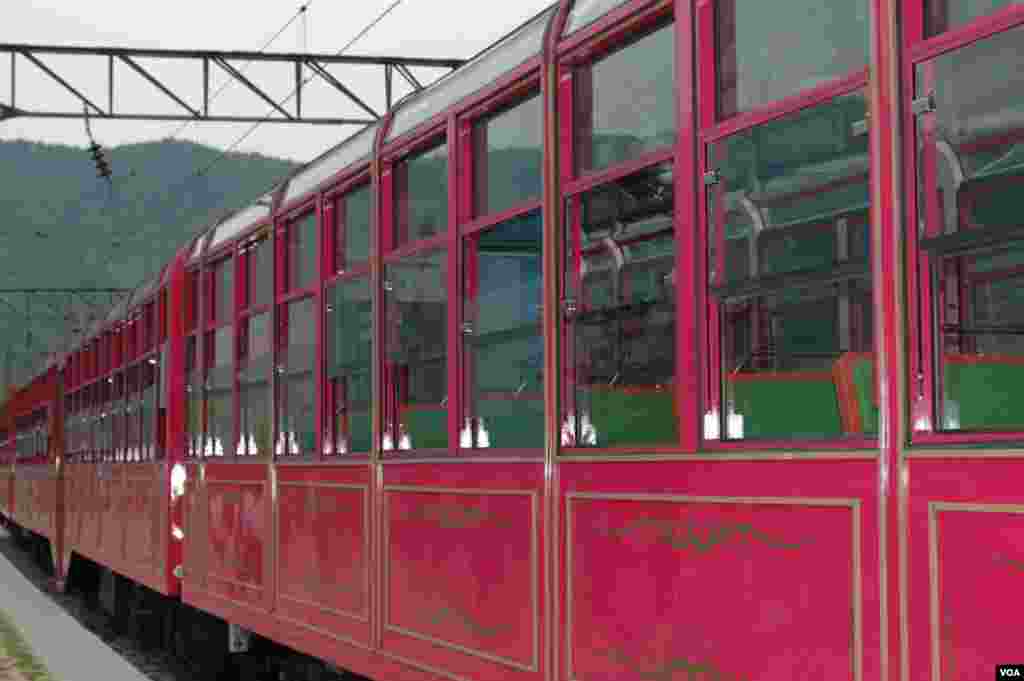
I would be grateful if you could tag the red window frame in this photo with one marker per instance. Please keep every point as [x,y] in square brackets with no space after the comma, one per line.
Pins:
[917,48]
[575,56]
[334,274]
[212,325]
[286,294]
[470,151]
[193,336]
[713,128]
[446,241]
[247,309]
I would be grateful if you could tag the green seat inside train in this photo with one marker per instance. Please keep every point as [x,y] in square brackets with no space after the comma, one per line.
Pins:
[809,404]
[639,416]
[984,393]
[787,404]
[857,370]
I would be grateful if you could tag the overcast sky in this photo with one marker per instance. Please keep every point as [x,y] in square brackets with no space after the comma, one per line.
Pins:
[422,28]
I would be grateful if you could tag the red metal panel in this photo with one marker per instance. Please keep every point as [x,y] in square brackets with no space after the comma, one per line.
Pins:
[778,559]
[462,567]
[323,550]
[237,506]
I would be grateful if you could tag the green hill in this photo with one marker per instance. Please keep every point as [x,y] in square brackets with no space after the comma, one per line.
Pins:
[62,227]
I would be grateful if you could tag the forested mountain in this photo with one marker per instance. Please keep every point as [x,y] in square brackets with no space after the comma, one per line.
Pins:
[61,226]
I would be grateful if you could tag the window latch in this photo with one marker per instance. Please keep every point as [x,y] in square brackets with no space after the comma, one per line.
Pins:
[923,105]
[712,177]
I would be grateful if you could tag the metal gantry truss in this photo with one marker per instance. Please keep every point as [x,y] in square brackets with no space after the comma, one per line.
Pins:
[197,106]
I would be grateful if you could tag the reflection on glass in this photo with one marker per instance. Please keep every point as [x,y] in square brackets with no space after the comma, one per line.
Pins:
[789,270]
[944,15]
[349,364]
[353,223]
[620,312]
[255,431]
[971,174]
[220,377]
[296,432]
[302,250]
[502,338]
[421,196]
[223,308]
[416,294]
[587,11]
[768,51]
[626,103]
[260,283]
[508,158]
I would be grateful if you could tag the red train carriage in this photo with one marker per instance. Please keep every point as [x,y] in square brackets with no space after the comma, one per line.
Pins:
[693,320]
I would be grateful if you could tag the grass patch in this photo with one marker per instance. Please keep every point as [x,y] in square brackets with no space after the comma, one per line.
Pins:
[13,646]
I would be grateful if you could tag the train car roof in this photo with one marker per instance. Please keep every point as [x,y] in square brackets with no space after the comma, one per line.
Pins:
[355,149]
[513,50]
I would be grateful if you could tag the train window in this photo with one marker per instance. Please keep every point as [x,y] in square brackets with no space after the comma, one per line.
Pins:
[117,439]
[626,103]
[620,313]
[349,340]
[421,196]
[503,344]
[131,414]
[789,278]
[945,15]
[192,300]
[416,356]
[296,424]
[353,220]
[767,51]
[219,390]
[254,388]
[259,274]
[970,177]
[222,307]
[194,399]
[149,405]
[508,152]
[302,253]
[585,12]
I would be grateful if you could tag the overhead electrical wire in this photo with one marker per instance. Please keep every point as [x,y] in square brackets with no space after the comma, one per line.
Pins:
[359,36]
[199,173]
[302,11]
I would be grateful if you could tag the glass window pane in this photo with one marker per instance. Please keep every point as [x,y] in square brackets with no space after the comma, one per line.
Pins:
[223,291]
[502,337]
[416,294]
[508,158]
[789,271]
[620,254]
[768,51]
[297,423]
[945,15]
[194,398]
[219,402]
[421,196]
[302,250]
[349,366]
[254,390]
[971,175]
[626,103]
[261,274]
[587,11]
[353,223]
[354,149]
[479,72]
